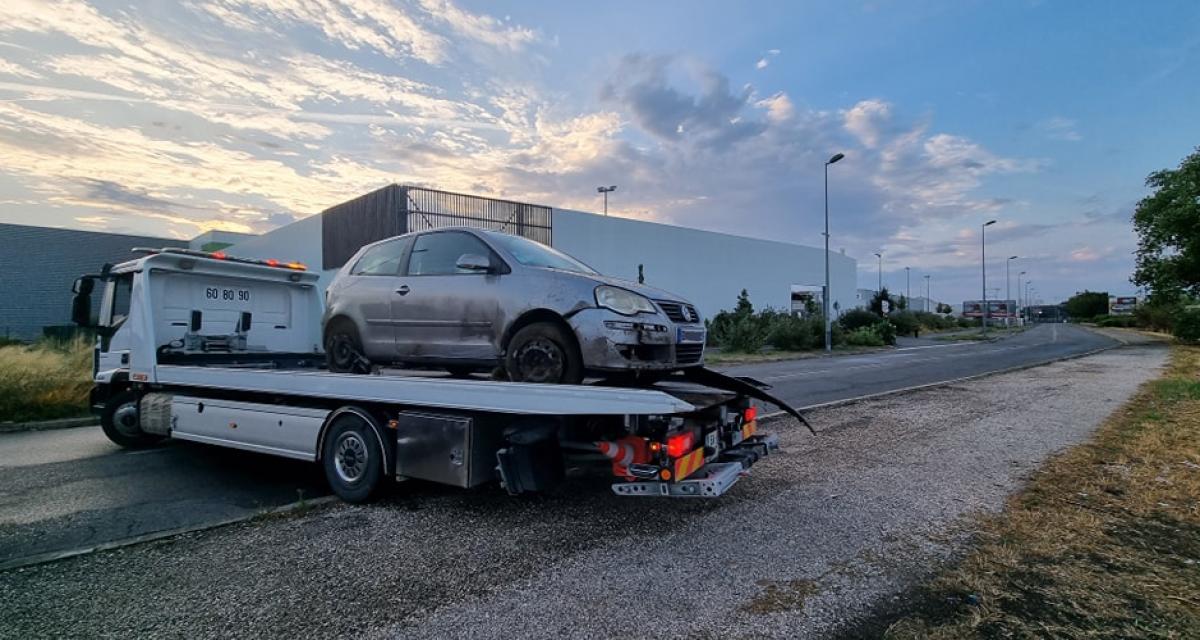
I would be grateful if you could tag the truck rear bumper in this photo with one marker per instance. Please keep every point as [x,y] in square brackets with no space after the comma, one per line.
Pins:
[714,478]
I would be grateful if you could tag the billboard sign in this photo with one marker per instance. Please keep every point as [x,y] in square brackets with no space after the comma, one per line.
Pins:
[1122,305]
[996,309]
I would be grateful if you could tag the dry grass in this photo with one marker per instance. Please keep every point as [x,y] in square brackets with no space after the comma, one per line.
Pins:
[45,381]
[1104,543]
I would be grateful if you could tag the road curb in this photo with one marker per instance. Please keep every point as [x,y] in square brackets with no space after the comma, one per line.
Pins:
[54,556]
[778,415]
[46,425]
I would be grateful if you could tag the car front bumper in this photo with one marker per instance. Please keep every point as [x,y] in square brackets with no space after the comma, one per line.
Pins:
[610,341]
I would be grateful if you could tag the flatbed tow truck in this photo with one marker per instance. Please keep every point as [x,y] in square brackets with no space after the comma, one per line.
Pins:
[225,351]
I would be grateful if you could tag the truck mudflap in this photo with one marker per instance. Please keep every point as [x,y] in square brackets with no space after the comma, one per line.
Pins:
[744,385]
[711,480]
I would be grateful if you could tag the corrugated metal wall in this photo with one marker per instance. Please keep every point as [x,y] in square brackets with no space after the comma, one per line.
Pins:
[38,265]
[398,209]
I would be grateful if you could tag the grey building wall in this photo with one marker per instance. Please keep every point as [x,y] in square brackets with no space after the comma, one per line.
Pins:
[38,265]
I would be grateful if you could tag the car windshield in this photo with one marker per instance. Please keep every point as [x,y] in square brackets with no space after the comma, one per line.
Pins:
[536,254]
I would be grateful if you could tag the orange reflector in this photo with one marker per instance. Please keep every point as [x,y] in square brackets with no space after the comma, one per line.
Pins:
[299,266]
[655,447]
[665,474]
[393,424]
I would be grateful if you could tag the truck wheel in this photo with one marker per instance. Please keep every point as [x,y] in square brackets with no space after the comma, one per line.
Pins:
[343,348]
[352,459]
[543,352]
[120,421]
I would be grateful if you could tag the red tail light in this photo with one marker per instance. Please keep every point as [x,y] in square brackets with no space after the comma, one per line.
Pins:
[272,262]
[680,443]
[219,255]
[750,414]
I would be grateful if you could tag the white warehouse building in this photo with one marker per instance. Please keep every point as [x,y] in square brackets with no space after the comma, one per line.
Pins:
[707,268]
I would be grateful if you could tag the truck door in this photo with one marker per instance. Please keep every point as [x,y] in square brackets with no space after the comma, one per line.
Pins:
[444,312]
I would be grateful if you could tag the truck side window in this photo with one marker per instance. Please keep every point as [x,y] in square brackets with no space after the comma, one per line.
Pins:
[115,306]
[381,260]
[438,253]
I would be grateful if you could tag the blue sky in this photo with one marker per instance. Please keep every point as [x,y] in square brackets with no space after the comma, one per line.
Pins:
[247,114]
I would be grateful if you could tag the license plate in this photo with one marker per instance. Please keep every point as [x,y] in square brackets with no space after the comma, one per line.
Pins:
[217,296]
[690,335]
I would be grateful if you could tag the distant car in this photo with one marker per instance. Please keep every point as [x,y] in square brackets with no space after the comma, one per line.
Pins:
[467,299]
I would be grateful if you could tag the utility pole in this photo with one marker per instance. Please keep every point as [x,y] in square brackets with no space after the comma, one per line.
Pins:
[927,300]
[907,288]
[983,267]
[880,256]
[1007,293]
[606,191]
[827,295]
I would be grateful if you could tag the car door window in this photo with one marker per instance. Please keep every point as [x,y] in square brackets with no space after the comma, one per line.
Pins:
[381,260]
[438,253]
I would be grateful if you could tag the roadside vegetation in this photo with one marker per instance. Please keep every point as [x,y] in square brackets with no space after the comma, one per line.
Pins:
[1104,542]
[747,332]
[47,380]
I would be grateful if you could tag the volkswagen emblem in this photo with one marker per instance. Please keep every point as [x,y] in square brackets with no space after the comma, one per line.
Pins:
[687,314]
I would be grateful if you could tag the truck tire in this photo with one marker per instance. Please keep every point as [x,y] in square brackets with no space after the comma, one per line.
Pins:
[343,348]
[352,459]
[120,422]
[543,352]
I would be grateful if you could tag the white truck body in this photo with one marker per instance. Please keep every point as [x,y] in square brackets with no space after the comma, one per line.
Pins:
[227,352]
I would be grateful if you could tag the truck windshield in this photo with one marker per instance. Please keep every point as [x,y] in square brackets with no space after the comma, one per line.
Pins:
[536,254]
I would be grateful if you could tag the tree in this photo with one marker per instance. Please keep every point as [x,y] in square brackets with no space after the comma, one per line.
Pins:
[877,302]
[902,303]
[942,307]
[1087,304]
[1168,227]
[743,306]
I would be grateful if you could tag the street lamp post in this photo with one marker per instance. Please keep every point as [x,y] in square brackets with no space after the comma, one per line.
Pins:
[880,256]
[1021,301]
[1007,292]
[983,267]
[606,191]
[907,287]
[825,298]
[926,292]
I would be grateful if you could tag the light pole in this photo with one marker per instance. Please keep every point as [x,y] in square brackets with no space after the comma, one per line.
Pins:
[1007,292]
[606,191]
[983,267]
[1020,298]
[880,256]
[927,292]
[1027,301]
[907,288]
[825,298]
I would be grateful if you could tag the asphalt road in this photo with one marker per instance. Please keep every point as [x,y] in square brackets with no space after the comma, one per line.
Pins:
[72,489]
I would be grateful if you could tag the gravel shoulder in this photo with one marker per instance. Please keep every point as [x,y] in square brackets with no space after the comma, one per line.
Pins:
[817,535]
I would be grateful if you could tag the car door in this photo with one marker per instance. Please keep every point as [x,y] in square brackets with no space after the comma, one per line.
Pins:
[447,314]
[369,293]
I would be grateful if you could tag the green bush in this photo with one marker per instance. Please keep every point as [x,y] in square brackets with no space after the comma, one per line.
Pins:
[1157,316]
[906,322]
[886,331]
[864,337]
[967,323]
[1187,326]
[790,333]
[857,318]
[1115,321]
[745,335]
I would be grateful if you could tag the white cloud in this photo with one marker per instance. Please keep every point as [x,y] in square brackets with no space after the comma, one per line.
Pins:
[1060,128]
[866,119]
[761,64]
[779,107]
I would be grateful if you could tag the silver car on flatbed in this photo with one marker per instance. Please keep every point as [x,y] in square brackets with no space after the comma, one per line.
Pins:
[467,299]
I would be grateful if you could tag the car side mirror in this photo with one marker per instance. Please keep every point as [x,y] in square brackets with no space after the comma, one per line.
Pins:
[474,262]
[81,304]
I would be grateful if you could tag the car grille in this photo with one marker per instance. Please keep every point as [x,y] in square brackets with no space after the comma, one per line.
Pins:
[679,312]
[688,353]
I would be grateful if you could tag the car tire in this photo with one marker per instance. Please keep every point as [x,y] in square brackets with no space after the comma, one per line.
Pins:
[543,352]
[120,423]
[352,458]
[343,348]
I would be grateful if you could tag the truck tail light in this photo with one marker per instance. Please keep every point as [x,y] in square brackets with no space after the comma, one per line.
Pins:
[680,443]
[750,414]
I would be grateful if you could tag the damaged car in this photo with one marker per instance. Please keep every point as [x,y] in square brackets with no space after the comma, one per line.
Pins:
[465,300]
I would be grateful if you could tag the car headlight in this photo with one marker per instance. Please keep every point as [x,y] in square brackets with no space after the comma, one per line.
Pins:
[623,301]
